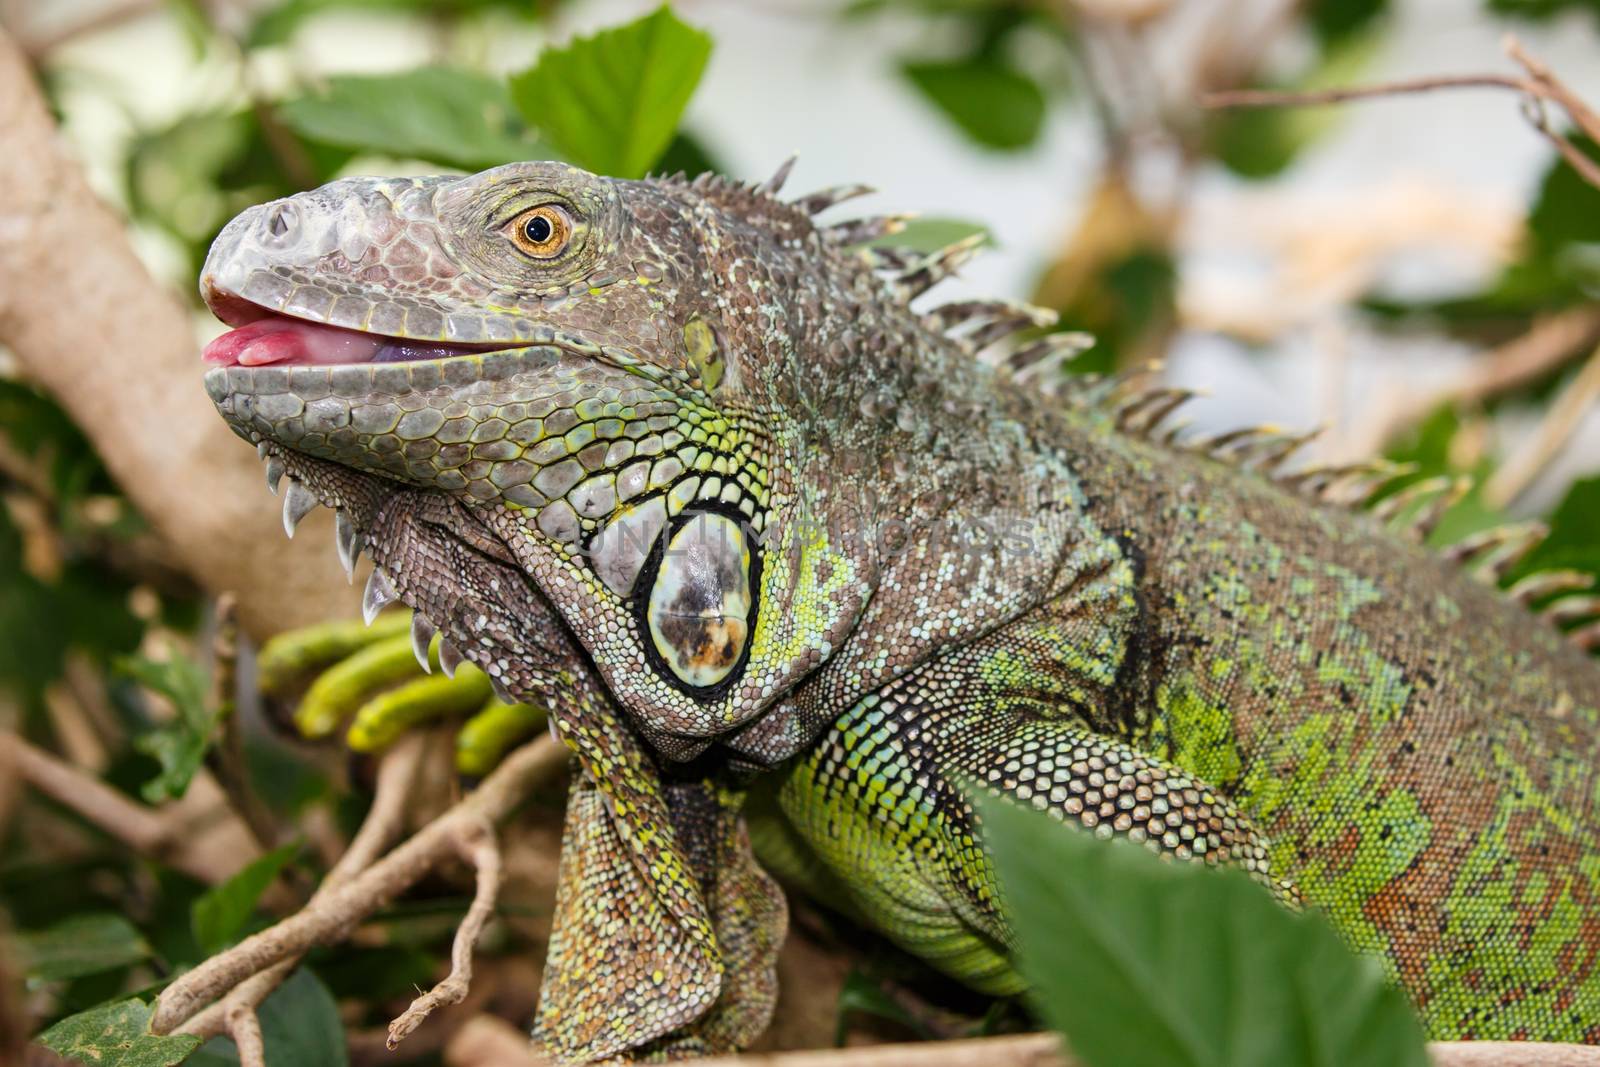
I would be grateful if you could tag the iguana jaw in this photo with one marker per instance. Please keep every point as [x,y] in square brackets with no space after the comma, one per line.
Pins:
[620,403]
[563,450]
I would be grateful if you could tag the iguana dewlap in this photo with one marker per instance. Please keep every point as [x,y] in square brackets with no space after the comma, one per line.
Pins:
[686,464]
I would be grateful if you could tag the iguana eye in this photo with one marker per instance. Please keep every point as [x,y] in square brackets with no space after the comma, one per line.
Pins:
[542,232]
[699,611]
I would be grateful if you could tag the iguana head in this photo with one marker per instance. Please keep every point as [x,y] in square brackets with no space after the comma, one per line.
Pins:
[603,373]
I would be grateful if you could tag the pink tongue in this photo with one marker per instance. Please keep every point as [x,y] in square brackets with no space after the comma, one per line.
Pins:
[280,340]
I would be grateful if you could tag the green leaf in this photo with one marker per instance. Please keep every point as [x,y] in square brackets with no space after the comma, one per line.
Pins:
[1137,960]
[382,972]
[930,235]
[116,1035]
[611,102]
[1429,447]
[196,26]
[1566,210]
[995,104]
[219,915]
[1571,544]
[180,745]
[1261,142]
[1576,518]
[454,117]
[83,944]
[687,153]
[300,1027]
[1334,20]
[860,993]
[1542,9]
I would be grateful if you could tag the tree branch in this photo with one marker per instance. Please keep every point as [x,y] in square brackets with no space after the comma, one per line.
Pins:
[383,824]
[244,1026]
[331,915]
[487,1041]
[159,834]
[1552,88]
[117,350]
[1554,431]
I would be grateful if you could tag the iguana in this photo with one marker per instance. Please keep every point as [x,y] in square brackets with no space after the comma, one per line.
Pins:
[693,469]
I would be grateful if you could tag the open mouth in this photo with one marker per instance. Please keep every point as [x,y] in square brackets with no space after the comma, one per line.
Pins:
[260,337]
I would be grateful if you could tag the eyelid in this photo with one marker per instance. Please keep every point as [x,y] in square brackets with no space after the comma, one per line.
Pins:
[512,209]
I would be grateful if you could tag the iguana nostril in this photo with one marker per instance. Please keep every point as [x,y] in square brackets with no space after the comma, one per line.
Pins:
[282,219]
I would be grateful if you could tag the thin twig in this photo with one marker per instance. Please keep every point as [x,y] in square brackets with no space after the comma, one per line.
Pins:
[1552,88]
[386,818]
[1540,85]
[73,730]
[1232,98]
[383,824]
[1584,116]
[1514,476]
[478,847]
[227,759]
[330,916]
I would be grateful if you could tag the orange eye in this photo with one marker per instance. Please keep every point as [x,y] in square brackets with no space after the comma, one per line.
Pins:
[542,232]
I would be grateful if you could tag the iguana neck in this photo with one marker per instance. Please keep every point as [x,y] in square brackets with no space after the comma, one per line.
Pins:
[964,510]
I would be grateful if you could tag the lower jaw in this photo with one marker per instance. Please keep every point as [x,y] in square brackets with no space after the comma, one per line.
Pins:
[318,410]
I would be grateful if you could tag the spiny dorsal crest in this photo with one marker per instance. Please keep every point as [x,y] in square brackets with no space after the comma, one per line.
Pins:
[751,200]
[1146,410]
[935,267]
[978,324]
[1415,511]
[1542,585]
[773,185]
[823,199]
[1047,355]
[1494,552]
[863,230]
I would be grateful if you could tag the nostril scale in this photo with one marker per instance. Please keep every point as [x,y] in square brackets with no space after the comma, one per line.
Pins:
[281,219]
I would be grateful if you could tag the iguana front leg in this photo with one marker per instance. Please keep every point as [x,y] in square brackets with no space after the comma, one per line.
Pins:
[882,803]
[667,931]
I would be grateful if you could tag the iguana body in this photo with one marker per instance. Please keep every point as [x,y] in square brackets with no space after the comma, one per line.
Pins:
[685,465]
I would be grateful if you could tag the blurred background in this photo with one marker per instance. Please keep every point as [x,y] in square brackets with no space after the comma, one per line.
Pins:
[1416,273]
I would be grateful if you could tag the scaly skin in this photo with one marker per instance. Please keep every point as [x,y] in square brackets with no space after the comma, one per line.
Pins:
[922,572]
